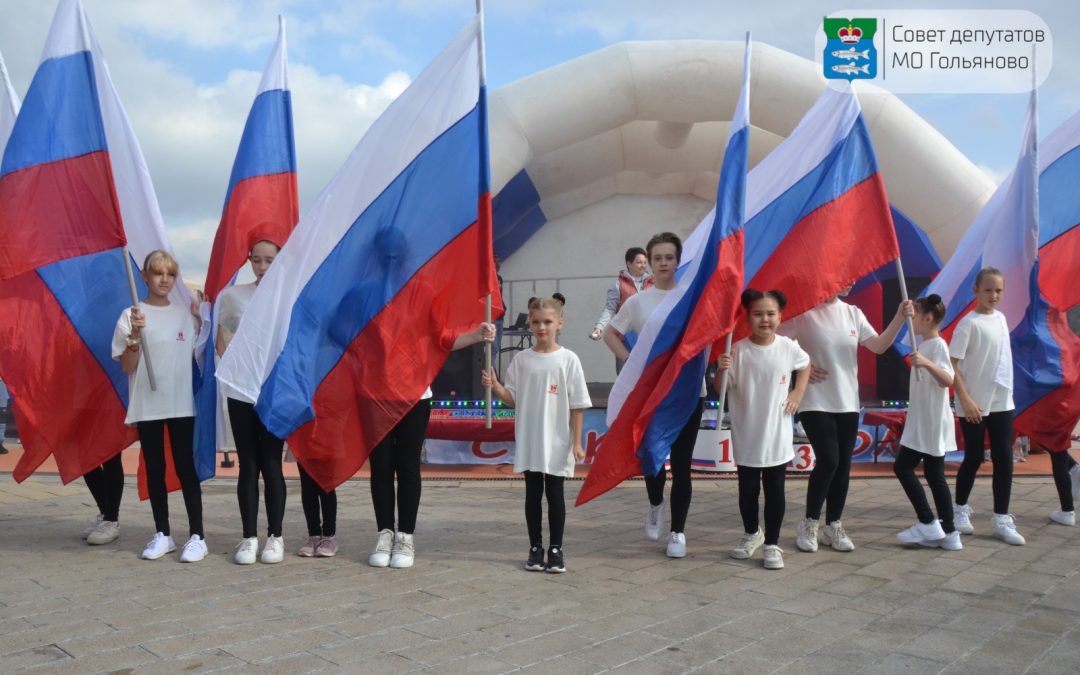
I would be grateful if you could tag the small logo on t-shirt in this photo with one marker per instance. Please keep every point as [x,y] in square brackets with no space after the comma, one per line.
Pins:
[853,333]
[783,378]
[553,389]
[180,336]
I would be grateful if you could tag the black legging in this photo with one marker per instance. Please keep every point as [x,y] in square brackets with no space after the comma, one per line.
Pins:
[751,480]
[106,484]
[999,425]
[934,471]
[399,454]
[833,437]
[538,484]
[682,451]
[259,452]
[312,497]
[181,435]
[1061,463]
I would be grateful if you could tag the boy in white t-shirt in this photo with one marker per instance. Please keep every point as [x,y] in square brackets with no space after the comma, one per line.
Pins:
[761,407]
[168,331]
[929,433]
[547,386]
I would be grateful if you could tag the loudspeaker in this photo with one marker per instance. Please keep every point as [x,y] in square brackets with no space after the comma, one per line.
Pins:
[892,372]
[460,375]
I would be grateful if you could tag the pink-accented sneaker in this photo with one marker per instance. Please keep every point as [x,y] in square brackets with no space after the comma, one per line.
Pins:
[327,548]
[308,549]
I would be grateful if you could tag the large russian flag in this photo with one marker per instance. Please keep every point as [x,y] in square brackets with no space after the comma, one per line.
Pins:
[390,264]
[817,215]
[261,203]
[659,386]
[72,176]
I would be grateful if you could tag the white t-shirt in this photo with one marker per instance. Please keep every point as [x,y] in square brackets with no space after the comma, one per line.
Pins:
[636,311]
[977,345]
[930,428]
[546,386]
[761,432]
[170,337]
[831,334]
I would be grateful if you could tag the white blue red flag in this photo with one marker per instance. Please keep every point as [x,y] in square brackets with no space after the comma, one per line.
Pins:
[659,386]
[261,203]
[391,263]
[74,189]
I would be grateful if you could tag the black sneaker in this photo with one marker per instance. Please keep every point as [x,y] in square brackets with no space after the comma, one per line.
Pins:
[555,561]
[535,563]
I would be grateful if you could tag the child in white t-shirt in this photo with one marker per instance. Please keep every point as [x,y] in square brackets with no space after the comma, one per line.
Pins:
[168,332]
[547,386]
[929,433]
[761,407]
[982,359]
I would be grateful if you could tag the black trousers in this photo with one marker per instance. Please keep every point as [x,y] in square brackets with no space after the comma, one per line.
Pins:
[181,438]
[682,451]
[399,455]
[751,481]
[314,499]
[537,485]
[999,426]
[833,437]
[259,452]
[106,484]
[907,460]
[1061,463]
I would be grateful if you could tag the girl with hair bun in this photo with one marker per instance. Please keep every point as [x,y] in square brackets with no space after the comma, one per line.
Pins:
[761,404]
[547,386]
[929,433]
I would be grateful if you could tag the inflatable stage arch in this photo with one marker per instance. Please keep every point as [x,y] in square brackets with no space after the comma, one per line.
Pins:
[594,155]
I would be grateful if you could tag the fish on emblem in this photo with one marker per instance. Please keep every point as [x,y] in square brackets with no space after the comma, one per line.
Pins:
[851,54]
[851,69]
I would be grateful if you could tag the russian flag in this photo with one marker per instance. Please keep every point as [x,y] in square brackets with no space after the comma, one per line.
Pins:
[261,203]
[72,176]
[659,386]
[390,264]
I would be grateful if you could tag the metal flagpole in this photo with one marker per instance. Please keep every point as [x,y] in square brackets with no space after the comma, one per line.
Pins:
[485,168]
[135,303]
[910,322]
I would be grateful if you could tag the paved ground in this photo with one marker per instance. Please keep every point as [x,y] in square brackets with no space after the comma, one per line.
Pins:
[468,606]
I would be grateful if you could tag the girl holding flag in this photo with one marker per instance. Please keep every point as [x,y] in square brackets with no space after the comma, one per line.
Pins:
[547,386]
[169,332]
[665,252]
[982,358]
[831,334]
[761,404]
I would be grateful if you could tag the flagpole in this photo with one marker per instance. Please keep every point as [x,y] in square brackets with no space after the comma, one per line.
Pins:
[135,303]
[481,56]
[910,322]
[723,387]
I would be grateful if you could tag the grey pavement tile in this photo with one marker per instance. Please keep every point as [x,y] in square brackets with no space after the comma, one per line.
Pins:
[903,663]
[27,658]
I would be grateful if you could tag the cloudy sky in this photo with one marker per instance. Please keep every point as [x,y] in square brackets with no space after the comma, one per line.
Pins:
[187,70]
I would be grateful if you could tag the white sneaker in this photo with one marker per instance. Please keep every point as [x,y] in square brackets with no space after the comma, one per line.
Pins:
[380,557]
[194,550]
[747,545]
[962,519]
[676,545]
[273,551]
[834,535]
[246,550]
[1064,517]
[920,532]
[1003,527]
[158,546]
[950,542]
[93,526]
[806,538]
[402,553]
[773,557]
[654,521]
[1074,474]
[105,533]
